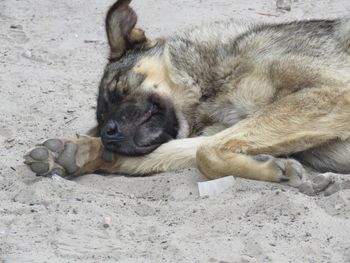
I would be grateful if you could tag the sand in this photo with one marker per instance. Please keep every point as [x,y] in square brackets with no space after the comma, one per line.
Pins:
[52,55]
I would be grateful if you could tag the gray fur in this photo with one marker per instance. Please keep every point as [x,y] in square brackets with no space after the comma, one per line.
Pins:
[205,62]
[206,58]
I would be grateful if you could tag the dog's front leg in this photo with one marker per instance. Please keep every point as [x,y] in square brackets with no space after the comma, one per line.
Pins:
[82,155]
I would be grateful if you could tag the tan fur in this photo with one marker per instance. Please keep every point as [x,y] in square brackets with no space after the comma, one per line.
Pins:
[156,76]
[157,79]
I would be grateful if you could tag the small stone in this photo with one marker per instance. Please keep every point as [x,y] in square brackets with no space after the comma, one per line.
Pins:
[338,206]
[284,5]
[16,27]
[333,188]
[107,222]
[90,41]
[27,54]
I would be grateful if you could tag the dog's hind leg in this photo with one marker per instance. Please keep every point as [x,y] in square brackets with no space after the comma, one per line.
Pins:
[256,147]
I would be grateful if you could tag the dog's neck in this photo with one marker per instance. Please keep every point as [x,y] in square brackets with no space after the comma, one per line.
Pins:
[196,72]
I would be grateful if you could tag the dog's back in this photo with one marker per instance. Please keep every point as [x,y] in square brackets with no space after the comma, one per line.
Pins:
[212,60]
[321,42]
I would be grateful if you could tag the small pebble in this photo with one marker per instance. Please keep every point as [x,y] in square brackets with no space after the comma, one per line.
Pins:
[27,54]
[107,222]
[284,5]
[16,27]
[338,206]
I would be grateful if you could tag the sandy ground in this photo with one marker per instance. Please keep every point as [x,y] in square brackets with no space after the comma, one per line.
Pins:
[52,55]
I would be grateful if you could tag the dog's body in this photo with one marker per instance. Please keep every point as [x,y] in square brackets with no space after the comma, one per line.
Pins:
[237,99]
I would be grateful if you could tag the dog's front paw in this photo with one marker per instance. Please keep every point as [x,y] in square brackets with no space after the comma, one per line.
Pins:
[54,156]
[62,156]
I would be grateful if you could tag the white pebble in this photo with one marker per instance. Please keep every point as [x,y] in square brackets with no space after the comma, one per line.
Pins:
[338,206]
[27,54]
[107,221]
[284,4]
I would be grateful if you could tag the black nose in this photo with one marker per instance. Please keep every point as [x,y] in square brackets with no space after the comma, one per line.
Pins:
[111,132]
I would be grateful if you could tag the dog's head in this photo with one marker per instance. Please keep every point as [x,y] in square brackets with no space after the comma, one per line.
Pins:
[135,112]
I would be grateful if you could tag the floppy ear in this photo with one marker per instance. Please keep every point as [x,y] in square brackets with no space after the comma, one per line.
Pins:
[121,31]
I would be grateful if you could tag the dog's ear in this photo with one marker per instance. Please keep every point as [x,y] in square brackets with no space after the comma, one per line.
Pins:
[121,31]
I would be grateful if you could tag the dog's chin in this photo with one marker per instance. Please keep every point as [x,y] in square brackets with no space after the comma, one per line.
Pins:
[138,145]
[129,148]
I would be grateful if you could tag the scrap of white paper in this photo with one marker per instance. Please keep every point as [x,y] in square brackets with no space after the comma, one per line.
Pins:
[215,187]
